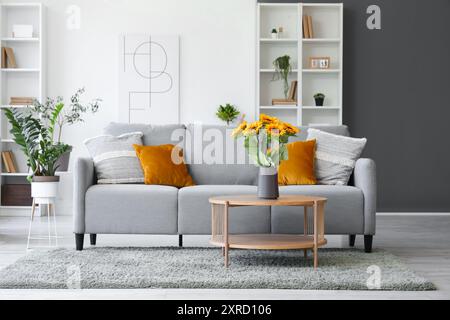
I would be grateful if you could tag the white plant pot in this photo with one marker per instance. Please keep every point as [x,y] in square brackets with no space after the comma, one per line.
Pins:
[274,35]
[48,189]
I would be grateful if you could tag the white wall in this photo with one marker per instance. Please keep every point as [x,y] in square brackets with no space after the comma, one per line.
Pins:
[217,56]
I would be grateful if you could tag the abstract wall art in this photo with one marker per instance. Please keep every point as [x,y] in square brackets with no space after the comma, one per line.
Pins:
[149,79]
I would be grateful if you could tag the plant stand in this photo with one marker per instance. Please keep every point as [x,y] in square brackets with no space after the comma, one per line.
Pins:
[52,230]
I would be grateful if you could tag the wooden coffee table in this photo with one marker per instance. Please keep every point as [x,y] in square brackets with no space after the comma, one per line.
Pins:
[312,238]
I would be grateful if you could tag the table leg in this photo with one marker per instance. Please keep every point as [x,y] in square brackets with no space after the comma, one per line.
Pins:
[305,228]
[316,238]
[225,234]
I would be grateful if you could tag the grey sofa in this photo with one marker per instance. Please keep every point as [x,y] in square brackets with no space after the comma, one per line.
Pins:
[144,209]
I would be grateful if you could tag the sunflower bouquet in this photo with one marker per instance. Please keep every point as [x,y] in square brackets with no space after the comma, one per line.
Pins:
[266,140]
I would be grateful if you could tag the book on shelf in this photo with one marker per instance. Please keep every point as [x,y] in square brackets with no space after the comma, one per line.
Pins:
[21,100]
[8,58]
[310,28]
[293,90]
[9,162]
[284,102]
[307,27]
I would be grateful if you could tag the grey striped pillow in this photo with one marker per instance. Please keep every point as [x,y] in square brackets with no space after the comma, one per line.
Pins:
[335,156]
[115,159]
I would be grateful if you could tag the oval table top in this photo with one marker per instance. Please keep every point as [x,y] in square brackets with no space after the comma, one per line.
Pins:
[253,200]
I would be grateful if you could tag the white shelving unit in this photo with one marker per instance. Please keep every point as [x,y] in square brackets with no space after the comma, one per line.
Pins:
[327,42]
[27,80]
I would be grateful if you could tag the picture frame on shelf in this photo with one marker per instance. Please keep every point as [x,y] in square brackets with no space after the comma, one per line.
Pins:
[319,62]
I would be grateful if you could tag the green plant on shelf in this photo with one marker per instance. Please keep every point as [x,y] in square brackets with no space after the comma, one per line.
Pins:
[282,70]
[319,96]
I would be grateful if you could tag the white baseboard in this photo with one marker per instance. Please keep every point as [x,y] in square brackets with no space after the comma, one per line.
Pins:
[413,214]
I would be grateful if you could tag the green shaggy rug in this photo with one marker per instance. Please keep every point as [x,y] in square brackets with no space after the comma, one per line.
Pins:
[130,268]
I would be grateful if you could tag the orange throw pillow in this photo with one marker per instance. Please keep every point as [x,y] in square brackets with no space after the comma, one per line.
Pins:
[299,168]
[159,169]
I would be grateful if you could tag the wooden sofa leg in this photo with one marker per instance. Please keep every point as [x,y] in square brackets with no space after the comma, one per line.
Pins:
[93,239]
[368,241]
[351,240]
[79,241]
[180,240]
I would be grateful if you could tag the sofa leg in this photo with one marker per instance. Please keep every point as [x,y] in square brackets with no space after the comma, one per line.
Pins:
[368,241]
[180,240]
[93,239]
[79,241]
[351,240]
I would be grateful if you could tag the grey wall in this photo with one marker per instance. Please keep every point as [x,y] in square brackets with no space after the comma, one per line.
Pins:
[397,86]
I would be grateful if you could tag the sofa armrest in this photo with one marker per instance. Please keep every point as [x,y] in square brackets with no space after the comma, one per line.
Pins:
[365,178]
[84,177]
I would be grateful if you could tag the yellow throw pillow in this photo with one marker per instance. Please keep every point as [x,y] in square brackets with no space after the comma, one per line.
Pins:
[299,168]
[160,169]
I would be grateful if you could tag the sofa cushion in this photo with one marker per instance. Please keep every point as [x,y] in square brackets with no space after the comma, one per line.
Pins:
[154,135]
[335,156]
[298,169]
[344,210]
[164,165]
[215,158]
[131,209]
[195,210]
[303,135]
[115,159]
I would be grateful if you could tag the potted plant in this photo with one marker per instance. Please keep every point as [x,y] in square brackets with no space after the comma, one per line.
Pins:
[34,135]
[266,143]
[69,115]
[274,33]
[319,97]
[228,113]
[282,70]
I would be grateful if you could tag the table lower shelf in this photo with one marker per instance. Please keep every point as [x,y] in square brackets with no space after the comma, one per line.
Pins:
[268,241]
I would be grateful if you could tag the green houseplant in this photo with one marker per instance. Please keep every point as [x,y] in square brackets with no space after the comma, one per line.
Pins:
[34,136]
[67,114]
[274,33]
[34,131]
[319,97]
[228,113]
[282,70]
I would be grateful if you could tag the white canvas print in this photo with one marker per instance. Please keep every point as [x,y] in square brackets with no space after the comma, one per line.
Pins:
[149,79]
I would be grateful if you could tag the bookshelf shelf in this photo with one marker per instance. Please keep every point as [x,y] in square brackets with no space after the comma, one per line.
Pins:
[326,40]
[20,39]
[13,70]
[279,107]
[27,80]
[323,40]
[269,40]
[320,108]
[321,70]
[14,174]
[273,70]
[13,107]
